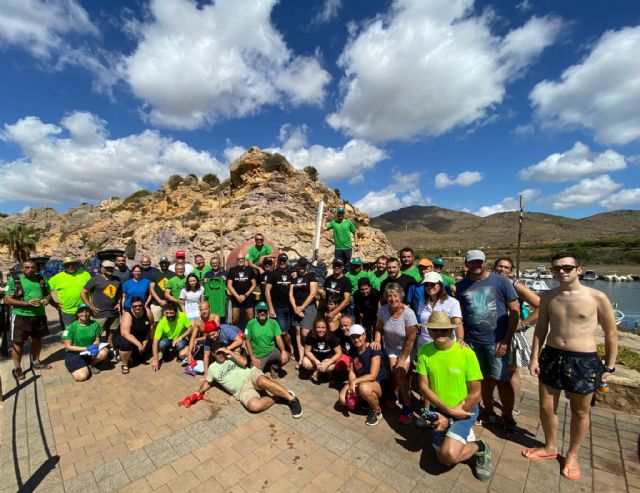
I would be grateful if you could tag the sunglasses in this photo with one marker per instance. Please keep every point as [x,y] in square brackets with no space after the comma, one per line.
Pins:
[564,268]
[259,239]
[136,306]
[440,330]
[429,285]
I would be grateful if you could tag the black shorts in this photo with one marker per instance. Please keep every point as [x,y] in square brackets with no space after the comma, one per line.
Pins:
[250,302]
[578,373]
[75,361]
[123,344]
[25,326]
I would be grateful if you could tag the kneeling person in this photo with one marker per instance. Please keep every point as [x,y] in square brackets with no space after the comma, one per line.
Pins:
[81,342]
[230,370]
[135,332]
[450,380]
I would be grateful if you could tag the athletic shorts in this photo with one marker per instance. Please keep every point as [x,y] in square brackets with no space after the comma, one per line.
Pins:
[119,342]
[578,373]
[75,361]
[112,323]
[461,430]
[306,322]
[250,302]
[25,326]
[250,388]
[496,368]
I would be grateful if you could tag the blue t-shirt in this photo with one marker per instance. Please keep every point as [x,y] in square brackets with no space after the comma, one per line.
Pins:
[228,334]
[484,307]
[133,288]
[362,362]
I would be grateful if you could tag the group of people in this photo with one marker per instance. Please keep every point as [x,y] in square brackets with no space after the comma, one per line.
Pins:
[400,327]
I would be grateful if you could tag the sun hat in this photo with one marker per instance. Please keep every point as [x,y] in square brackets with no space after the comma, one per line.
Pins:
[439,320]
[433,277]
[69,260]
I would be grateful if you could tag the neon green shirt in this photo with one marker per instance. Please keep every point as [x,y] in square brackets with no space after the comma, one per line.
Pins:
[448,371]
[377,280]
[263,337]
[31,289]
[342,233]
[253,254]
[172,330]
[228,374]
[82,335]
[413,272]
[69,287]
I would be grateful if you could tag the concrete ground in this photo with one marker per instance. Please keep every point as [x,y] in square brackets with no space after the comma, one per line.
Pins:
[126,433]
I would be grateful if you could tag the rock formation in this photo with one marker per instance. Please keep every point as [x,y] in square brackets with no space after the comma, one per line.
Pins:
[264,194]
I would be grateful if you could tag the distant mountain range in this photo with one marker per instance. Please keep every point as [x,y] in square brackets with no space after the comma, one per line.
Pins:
[432,227]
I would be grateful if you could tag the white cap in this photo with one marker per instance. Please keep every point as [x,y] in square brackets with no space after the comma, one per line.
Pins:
[433,277]
[356,330]
[475,255]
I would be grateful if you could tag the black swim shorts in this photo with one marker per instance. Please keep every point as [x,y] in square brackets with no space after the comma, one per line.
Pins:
[578,373]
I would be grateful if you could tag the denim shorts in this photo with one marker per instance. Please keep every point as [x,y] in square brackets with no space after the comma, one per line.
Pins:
[490,364]
[283,317]
[459,430]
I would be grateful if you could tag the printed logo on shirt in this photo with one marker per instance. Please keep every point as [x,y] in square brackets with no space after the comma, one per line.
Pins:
[284,277]
[333,285]
[455,371]
[299,280]
[240,275]
[110,291]
[162,283]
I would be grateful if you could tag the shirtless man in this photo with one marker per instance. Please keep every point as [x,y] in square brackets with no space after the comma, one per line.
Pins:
[198,326]
[569,316]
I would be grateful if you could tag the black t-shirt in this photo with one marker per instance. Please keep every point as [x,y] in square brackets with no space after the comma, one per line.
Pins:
[337,287]
[367,305]
[240,278]
[280,281]
[160,279]
[405,282]
[345,341]
[262,280]
[362,362]
[302,287]
[322,347]
[148,273]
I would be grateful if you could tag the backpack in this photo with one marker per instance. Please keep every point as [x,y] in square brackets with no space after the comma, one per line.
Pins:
[19,290]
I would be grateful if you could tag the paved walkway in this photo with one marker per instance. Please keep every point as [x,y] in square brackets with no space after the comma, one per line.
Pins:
[126,433]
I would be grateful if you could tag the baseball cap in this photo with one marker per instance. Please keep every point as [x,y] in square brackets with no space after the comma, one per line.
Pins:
[262,306]
[356,330]
[283,257]
[108,263]
[83,306]
[303,261]
[356,261]
[337,261]
[475,255]
[438,261]
[433,277]
[164,259]
[340,210]
[210,326]
[425,262]
[180,254]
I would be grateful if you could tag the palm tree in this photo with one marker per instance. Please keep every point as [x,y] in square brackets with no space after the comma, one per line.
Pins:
[21,241]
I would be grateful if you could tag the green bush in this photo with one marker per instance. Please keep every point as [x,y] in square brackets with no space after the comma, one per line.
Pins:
[174,181]
[211,179]
[311,172]
[130,249]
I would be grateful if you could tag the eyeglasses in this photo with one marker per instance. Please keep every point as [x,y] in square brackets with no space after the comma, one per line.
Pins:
[136,306]
[564,268]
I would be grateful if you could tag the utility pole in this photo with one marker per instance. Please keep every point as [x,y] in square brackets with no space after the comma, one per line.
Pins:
[520,218]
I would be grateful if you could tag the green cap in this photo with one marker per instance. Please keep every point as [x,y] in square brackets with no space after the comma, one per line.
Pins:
[438,261]
[356,261]
[262,306]
[83,306]
[340,210]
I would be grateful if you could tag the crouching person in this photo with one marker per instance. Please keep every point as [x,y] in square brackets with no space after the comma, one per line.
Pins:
[82,341]
[229,369]
[171,336]
[450,380]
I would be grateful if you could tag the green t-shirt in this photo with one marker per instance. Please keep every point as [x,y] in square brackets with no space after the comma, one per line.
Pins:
[342,233]
[31,289]
[172,330]
[413,272]
[176,284]
[448,371]
[263,337]
[377,280]
[215,292]
[354,278]
[69,287]
[254,254]
[82,335]
[200,273]
[228,374]
[447,280]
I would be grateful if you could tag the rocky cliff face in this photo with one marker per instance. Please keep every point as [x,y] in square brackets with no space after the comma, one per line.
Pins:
[264,194]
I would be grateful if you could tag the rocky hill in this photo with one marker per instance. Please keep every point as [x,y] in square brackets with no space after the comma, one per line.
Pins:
[431,227]
[264,194]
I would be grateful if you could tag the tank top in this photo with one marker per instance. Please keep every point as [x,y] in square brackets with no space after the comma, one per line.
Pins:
[139,326]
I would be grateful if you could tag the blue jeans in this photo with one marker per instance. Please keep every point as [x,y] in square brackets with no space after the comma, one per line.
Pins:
[345,255]
[164,345]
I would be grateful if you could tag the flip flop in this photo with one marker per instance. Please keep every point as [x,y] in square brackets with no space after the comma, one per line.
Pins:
[125,369]
[571,472]
[533,454]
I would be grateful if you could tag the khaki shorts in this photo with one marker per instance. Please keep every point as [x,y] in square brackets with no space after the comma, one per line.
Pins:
[250,388]
[112,323]
[156,310]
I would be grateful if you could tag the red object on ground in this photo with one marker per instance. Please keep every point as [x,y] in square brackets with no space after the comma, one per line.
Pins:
[194,397]
[201,396]
[192,362]
[186,402]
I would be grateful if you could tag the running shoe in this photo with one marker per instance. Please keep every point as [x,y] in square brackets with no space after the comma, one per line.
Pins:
[374,417]
[295,406]
[406,415]
[484,471]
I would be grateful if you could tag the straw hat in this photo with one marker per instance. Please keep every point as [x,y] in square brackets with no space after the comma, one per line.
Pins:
[69,260]
[439,320]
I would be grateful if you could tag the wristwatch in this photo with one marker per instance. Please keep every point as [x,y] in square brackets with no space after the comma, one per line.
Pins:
[609,370]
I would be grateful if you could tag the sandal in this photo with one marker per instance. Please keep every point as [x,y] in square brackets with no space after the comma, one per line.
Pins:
[17,373]
[537,454]
[39,365]
[125,369]
[571,472]
[314,378]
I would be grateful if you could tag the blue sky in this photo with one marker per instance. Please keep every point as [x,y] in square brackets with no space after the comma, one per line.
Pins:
[454,103]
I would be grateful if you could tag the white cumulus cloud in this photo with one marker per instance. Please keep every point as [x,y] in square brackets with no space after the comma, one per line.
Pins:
[587,191]
[602,93]
[195,65]
[508,203]
[464,179]
[575,163]
[77,161]
[329,11]
[622,199]
[427,67]
[402,192]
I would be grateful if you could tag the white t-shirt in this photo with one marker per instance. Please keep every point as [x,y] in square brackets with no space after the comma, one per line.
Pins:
[394,330]
[452,308]
[188,268]
[192,302]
